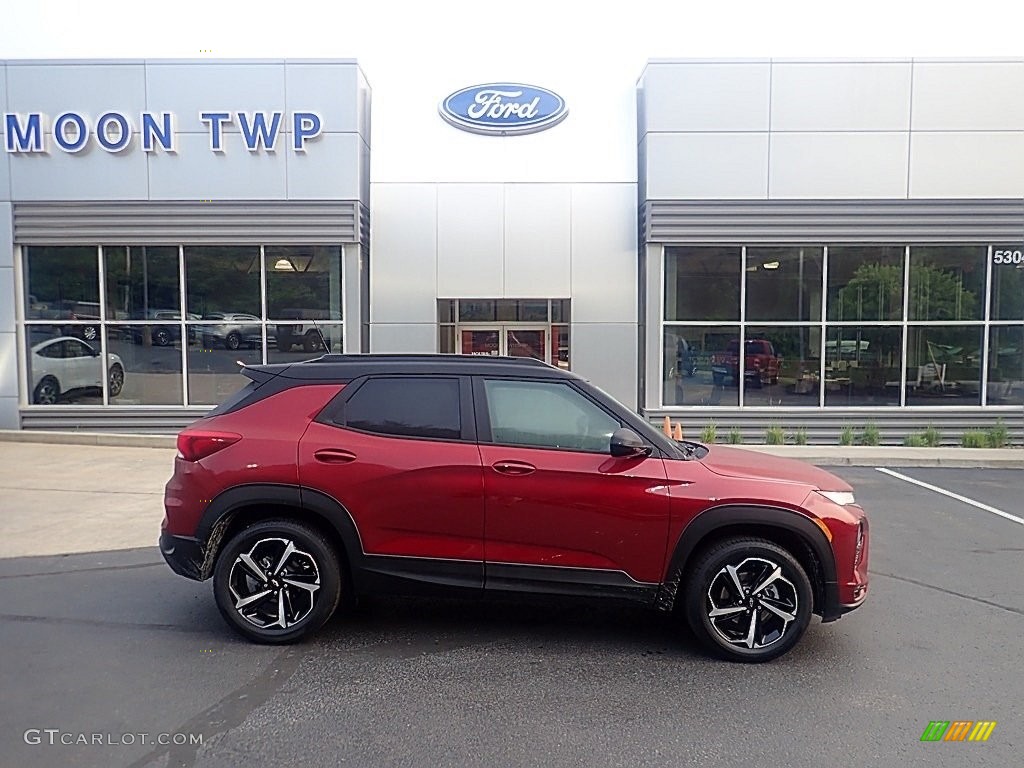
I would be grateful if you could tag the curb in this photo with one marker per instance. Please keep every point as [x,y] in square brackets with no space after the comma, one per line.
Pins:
[110,439]
[863,456]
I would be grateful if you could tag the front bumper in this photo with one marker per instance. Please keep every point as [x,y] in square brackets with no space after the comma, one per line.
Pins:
[185,555]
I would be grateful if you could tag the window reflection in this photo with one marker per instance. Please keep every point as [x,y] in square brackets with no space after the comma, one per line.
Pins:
[691,355]
[65,370]
[151,360]
[865,283]
[1006,365]
[62,283]
[862,365]
[213,368]
[702,283]
[944,365]
[784,283]
[1007,283]
[222,278]
[947,283]
[142,282]
[293,343]
[304,282]
[782,366]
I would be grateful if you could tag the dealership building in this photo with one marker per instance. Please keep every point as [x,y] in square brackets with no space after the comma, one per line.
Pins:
[749,243]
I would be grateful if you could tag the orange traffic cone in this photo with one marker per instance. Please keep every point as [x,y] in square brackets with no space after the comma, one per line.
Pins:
[678,434]
[667,427]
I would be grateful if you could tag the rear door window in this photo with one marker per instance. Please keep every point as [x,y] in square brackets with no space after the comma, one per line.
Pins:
[406,406]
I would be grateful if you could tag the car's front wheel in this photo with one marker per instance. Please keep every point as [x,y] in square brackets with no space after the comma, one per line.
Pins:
[277,581]
[748,599]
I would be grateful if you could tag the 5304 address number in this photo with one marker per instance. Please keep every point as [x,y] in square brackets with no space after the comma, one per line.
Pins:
[1007,257]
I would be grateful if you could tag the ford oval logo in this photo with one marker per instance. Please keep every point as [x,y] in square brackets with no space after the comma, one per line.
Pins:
[503,109]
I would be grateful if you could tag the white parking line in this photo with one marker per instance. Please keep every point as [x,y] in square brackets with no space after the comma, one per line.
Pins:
[957,496]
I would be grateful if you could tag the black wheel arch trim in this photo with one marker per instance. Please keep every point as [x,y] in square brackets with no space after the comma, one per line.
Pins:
[223,510]
[729,515]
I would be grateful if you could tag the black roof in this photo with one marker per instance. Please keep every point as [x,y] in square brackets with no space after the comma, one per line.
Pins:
[348,367]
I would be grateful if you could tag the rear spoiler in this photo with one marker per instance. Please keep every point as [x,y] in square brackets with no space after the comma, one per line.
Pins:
[260,374]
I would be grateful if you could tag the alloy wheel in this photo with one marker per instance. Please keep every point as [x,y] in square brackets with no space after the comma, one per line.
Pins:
[274,584]
[752,604]
[116,380]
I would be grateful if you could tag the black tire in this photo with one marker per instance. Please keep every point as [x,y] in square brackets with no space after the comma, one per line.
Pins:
[233,341]
[754,560]
[162,337]
[311,342]
[115,380]
[47,391]
[264,543]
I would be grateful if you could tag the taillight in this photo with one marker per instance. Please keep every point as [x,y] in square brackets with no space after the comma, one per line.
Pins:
[197,445]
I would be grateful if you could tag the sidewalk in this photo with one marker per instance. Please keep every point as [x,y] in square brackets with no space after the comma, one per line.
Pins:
[64,493]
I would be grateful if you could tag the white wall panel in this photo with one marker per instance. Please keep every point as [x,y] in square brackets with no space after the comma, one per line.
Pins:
[706,165]
[470,240]
[5,174]
[706,97]
[9,418]
[196,173]
[331,90]
[976,96]
[967,164]
[188,89]
[327,170]
[8,365]
[838,165]
[401,338]
[6,299]
[606,353]
[6,238]
[90,89]
[604,254]
[403,255]
[92,174]
[537,240]
[841,97]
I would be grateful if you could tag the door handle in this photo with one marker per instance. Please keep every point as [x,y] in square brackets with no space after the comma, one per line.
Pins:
[513,467]
[334,456]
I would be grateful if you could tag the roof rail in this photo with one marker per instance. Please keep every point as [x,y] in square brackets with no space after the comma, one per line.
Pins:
[409,358]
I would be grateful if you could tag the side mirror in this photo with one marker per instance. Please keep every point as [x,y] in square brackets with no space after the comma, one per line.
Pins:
[626,443]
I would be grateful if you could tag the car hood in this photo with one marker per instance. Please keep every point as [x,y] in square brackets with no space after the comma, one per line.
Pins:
[738,462]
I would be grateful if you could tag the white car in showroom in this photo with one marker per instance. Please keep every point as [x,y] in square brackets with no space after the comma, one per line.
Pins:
[67,364]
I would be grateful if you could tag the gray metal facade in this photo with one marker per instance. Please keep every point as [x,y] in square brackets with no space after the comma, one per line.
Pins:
[678,222]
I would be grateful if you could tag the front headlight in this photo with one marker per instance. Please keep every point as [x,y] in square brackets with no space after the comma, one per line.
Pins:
[842,498]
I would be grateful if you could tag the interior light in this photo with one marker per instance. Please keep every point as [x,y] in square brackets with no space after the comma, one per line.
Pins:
[284,265]
[771,265]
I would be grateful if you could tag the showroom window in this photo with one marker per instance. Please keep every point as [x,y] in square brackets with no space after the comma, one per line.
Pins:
[842,325]
[167,324]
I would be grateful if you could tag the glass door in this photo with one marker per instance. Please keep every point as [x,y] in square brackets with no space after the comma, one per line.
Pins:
[526,342]
[507,340]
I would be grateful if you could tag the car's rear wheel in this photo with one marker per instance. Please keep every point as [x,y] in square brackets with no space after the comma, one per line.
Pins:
[116,380]
[277,581]
[233,341]
[311,342]
[161,337]
[748,599]
[46,392]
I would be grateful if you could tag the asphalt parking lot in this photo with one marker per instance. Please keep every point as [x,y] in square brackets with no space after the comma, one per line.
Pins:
[113,643]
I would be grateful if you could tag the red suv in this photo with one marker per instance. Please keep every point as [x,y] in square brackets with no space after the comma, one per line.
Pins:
[352,475]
